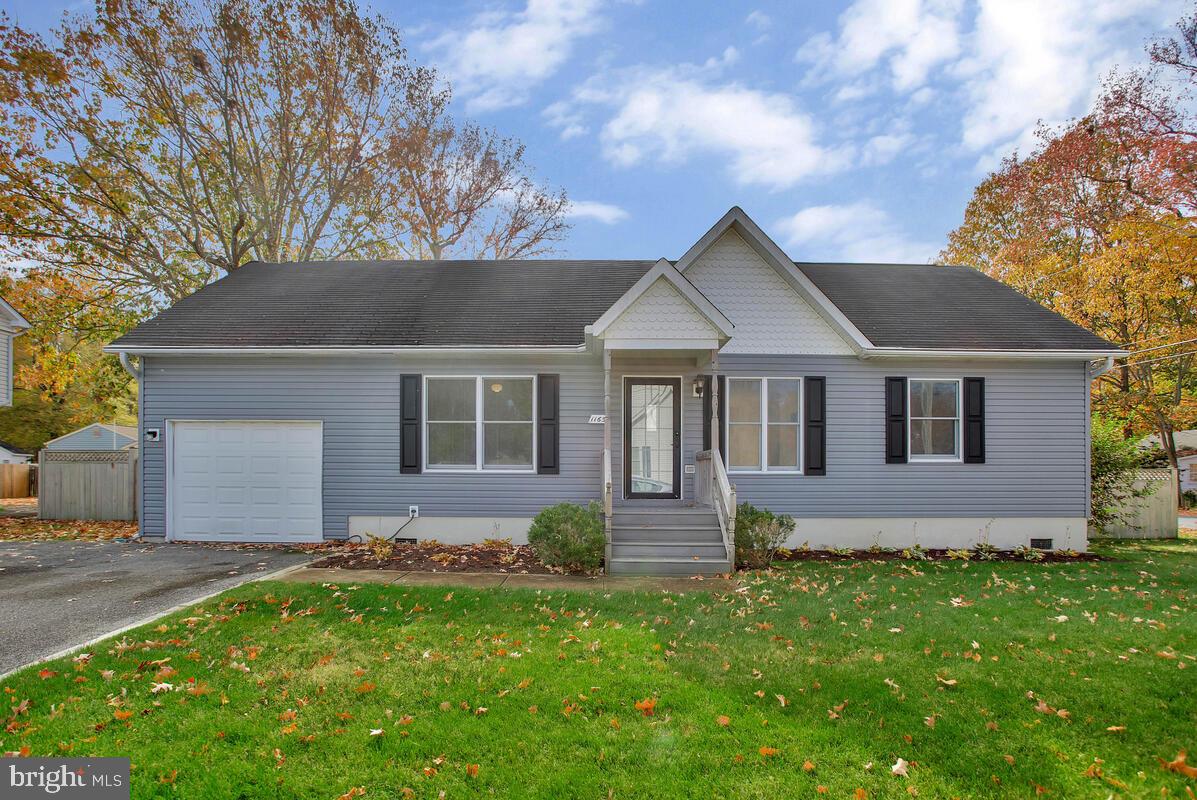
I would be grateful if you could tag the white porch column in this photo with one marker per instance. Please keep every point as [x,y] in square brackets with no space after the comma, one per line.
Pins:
[607,402]
[715,400]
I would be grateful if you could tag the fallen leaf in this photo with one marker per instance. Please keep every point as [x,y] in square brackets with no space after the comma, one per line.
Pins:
[769,751]
[723,720]
[1178,765]
[647,706]
[899,768]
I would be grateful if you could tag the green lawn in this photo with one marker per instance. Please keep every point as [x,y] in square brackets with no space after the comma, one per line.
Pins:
[815,679]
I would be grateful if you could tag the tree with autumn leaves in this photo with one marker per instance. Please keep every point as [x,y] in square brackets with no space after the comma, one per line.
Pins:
[1098,223]
[156,145]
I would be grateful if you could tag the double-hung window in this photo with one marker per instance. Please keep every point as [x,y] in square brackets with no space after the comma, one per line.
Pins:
[764,424]
[480,423]
[935,419]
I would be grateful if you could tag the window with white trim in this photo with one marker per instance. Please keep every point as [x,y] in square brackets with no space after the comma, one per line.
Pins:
[935,419]
[764,430]
[480,423]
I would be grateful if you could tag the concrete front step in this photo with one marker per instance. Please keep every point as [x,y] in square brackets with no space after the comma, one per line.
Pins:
[667,550]
[668,566]
[665,534]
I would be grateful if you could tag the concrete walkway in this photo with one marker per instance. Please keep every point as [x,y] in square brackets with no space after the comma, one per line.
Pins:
[493,580]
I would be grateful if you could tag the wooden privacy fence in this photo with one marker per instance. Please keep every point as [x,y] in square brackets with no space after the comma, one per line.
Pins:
[18,480]
[76,484]
[1154,515]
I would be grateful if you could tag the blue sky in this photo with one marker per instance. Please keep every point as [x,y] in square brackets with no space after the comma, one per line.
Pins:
[851,131]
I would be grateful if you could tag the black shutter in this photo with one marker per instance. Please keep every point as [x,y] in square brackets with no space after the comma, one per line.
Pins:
[814,426]
[895,420]
[706,412]
[410,405]
[548,433]
[723,434]
[974,420]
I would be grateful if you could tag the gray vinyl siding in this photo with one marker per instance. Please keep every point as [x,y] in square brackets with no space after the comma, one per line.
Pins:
[1036,459]
[1036,435]
[357,399]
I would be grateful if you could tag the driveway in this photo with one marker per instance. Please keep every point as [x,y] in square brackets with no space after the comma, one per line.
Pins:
[57,595]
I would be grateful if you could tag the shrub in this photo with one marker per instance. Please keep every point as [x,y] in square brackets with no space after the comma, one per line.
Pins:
[759,535]
[569,536]
[1113,463]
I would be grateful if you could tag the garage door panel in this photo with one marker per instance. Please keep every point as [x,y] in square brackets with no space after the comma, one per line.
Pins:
[246,481]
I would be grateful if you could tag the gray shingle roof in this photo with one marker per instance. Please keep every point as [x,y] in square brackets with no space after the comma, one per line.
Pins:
[550,302]
[925,306]
[394,304]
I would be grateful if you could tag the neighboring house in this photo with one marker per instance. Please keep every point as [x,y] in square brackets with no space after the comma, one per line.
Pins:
[1186,456]
[12,325]
[875,403]
[10,454]
[96,436]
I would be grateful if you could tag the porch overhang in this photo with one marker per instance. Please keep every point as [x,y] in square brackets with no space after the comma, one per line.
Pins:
[663,311]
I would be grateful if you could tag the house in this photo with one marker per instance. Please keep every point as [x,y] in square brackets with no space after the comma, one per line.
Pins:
[96,436]
[12,325]
[876,403]
[11,454]
[1186,456]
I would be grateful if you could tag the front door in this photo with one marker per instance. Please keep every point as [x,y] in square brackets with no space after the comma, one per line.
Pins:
[652,437]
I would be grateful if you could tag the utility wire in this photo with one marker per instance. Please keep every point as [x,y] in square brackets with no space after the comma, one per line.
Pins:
[1163,346]
[1161,358]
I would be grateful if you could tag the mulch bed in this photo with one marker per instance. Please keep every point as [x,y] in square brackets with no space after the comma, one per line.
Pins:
[1049,556]
[437,557]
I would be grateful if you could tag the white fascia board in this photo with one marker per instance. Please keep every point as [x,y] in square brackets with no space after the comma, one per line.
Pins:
[663,270]
[150,350]
[773,255]
[704,345]
[19,323]
[1056,355]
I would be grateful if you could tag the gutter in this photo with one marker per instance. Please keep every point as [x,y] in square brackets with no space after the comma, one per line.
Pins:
[1042,355]
[1097,370]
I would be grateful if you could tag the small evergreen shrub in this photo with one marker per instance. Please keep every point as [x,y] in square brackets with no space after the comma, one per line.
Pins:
[569,537]
[759,535]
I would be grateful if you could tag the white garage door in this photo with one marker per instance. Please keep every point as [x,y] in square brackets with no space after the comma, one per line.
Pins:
[246,481]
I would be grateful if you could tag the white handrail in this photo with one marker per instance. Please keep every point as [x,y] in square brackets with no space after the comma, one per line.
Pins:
[721,494]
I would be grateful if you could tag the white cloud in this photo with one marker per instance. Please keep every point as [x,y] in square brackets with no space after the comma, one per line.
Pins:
[907,37]
[605,213]
[500,57]
[672,115]
[567,120]
[853,232]
[758,19]
[884,148]
[1031,61]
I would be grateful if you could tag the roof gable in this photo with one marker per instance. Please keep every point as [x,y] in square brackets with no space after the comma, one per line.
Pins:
[770,316]
[11,318]
[768,251]
[661,306]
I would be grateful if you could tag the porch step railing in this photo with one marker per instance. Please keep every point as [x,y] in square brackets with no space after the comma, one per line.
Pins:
[712,488]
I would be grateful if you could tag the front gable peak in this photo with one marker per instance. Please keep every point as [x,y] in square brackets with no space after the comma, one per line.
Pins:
[738,222]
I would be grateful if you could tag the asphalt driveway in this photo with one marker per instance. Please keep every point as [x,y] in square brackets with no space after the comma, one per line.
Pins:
[57,595]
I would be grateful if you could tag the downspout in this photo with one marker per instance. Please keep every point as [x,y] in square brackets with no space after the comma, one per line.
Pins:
[1096,369]
[135,371]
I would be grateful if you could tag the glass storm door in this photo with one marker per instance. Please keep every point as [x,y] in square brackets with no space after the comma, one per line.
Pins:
[652,437]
